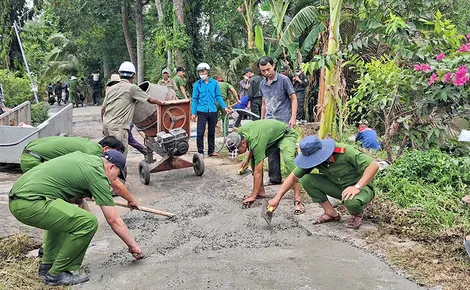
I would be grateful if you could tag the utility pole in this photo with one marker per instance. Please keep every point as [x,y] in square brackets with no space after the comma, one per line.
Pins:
[25,61]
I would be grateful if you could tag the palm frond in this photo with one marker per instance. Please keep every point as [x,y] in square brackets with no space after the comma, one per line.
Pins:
[301,21]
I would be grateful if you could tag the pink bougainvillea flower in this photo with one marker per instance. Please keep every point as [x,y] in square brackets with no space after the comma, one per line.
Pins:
[464,48]
[434,78]
[448,77]
[417,67]
[440,56]
[461,77]
[425,68]
[468,36]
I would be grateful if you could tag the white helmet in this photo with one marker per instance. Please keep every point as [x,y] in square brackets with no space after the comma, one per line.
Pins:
[127,66]
[203,66]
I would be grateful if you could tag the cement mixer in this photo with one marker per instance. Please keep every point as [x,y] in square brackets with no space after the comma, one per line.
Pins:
[166,126]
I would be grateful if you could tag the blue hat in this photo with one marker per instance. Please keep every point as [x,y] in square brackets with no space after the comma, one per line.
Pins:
[118,159]
[314,151]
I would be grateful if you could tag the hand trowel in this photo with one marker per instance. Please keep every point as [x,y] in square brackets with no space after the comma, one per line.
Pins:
[267,212]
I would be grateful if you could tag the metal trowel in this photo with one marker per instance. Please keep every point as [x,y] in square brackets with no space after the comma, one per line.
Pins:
[267,212]
[242,173]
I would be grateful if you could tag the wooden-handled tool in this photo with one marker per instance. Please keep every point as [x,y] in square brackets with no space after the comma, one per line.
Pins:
[146,209]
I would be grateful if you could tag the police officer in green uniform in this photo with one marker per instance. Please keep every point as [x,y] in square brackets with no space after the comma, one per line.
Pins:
[228,93]
[41,198]
[74,91]
[47,148]
[344,173]
[259,139]
[180,83]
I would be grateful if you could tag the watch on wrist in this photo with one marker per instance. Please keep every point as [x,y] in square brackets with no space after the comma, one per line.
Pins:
[357,186]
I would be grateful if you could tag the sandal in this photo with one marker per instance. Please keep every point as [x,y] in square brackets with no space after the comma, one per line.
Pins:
[326,218]
[299,211]
[354,221]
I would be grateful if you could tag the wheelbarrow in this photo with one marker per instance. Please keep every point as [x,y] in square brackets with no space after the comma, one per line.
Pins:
[167,130]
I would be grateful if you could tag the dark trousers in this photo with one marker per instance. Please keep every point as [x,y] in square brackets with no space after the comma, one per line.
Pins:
[274,166]
[256,106]
[211,120]
[96,97]
[300,105]
[136,144]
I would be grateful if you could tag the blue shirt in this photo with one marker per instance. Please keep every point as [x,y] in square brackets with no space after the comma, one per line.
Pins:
[205,96]
[276,97]
[368,139]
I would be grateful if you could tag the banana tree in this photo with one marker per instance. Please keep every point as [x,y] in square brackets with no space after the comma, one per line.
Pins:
[331,76]
[247,11]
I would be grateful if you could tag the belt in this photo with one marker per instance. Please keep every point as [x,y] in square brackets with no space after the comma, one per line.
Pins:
[34,154]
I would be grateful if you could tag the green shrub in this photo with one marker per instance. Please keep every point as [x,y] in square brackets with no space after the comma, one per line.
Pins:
[427,188]
[16,90]
[39,113]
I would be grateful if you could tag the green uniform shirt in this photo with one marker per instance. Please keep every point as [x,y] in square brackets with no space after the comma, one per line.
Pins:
[346,169]
[73,87]
[261,135]
[51,147]
[170,83]
[225,90]
[179,82]
[73,175]
[120,103]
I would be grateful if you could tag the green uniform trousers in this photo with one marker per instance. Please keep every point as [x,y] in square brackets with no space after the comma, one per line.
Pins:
[319,186]
[69,230]
[28,161]
[287,146]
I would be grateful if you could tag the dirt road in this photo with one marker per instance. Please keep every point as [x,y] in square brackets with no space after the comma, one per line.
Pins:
[213,244]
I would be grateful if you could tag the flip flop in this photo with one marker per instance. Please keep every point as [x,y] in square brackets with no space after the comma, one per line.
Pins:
[299,211]
[247,204]
[329,218]
[466,244]
[354,222]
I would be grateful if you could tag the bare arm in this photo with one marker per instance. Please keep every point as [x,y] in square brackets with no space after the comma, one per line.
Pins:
[235,94]
[103,110]
[263,109]
[293,100]
[120,228]
[257,178]
[153,100]
[183,90]
[122,191]
[369,174]
[286,185]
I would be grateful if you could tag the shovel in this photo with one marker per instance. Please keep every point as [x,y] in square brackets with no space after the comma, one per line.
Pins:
[267,212]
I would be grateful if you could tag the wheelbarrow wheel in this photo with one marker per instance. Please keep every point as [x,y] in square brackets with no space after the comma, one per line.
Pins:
[198,164]
[144,172]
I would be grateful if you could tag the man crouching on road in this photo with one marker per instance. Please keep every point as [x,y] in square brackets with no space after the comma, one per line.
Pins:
[345,173]
[39,199]
[259,139]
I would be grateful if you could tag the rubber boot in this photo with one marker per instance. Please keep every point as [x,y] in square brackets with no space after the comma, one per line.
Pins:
[65,278]
[43,269]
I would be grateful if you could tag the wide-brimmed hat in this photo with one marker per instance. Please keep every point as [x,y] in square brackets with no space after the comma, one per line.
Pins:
[114,79]
[165,71]
[314,151]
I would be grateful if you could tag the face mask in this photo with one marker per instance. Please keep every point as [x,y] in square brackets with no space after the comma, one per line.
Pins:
[203,77]
[245,77]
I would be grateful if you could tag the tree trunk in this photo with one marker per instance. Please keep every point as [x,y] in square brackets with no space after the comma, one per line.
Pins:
[179,10]
[127,33]
[169,60]
[331,94]
[158,4]
[140,41]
